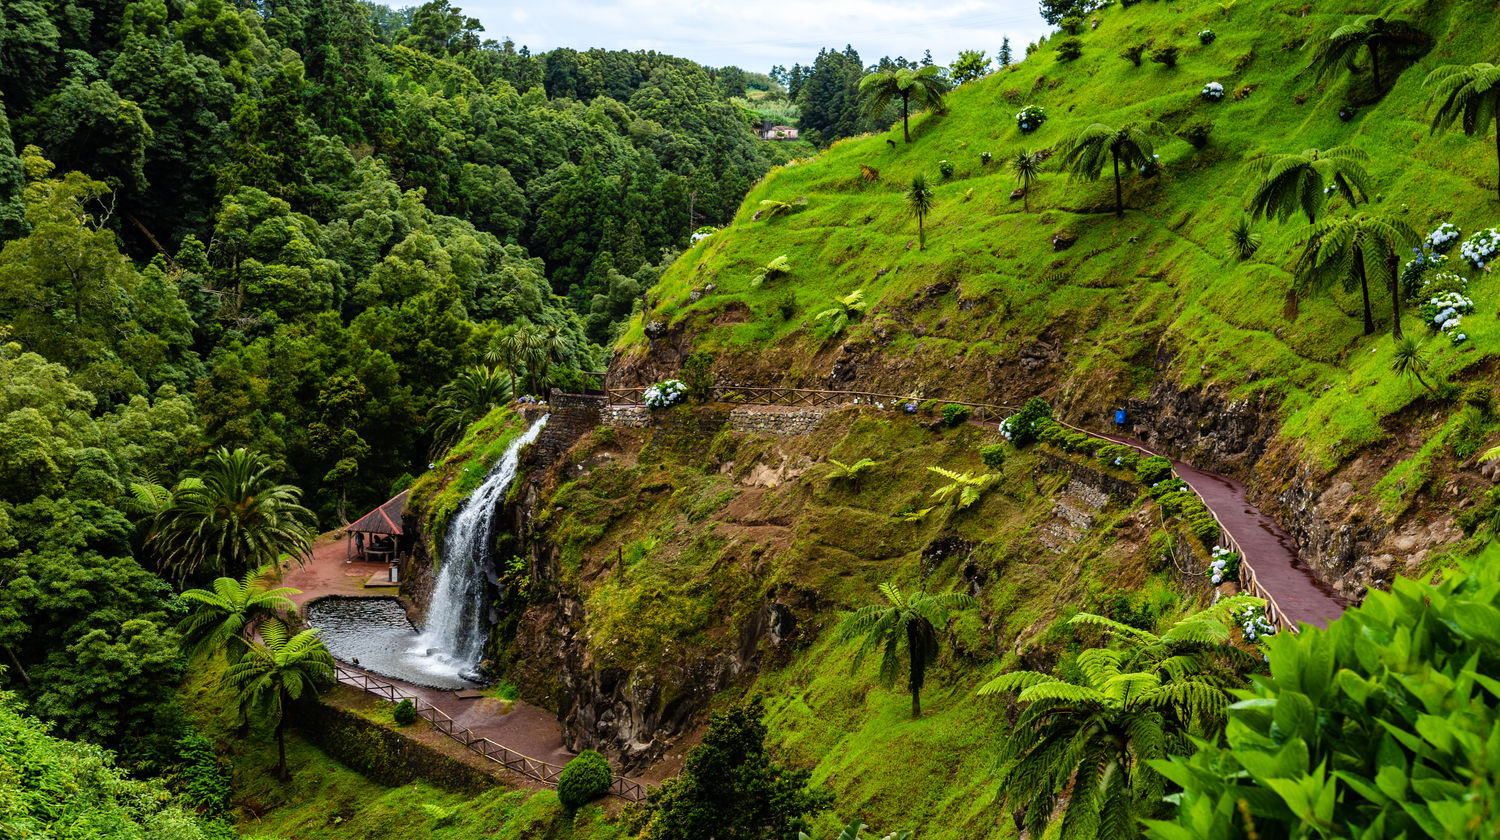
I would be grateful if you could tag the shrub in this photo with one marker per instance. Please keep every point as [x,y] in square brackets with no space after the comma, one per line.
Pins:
[945,168]
[1069,49]
[1166,56]
[1225,567]
[1051,432]
[1195,132]
[955,415]
[1206,37]
[1243,240]
[787,305]
[586,778]
[1153,470]
[1134,53]
[1119,455]
[1072,24]
[698,376]
[1212,92]
[1481,248]
[1021,428]
[405,713]
[928,406]
[1481,396]
[984,158]
[1442,237]
[1030,118]
[992,456]
[664,394]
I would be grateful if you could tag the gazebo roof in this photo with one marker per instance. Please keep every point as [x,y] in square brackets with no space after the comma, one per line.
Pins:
[385,519]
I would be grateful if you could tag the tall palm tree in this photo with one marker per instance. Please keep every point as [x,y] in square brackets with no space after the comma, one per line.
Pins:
[1409,361]
[507,353]
[1098,144]
[910,620]
[1368,32]
[1139,702]
[923,86]
[269,676]
[232,518]
[225,615]
[1351,250]
[1469,96]
[1027,167]
[920,198]
[1288,183]
[464,399]
[556,346]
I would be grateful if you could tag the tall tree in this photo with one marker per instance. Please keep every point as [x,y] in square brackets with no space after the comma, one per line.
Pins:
[905,620]
[1004,56]
[923,87]
[920,199]
[1379,36]
[1289,183]
[969,66]
[1352,250]
[227,615]
[1099,144]
[1468,95]
[235,519]
[271,676]
[466,398]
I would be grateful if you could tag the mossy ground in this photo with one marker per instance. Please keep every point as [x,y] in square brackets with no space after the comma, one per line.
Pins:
[1135,299]
[440,491]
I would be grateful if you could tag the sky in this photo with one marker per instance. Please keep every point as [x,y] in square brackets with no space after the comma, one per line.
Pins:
[757,34]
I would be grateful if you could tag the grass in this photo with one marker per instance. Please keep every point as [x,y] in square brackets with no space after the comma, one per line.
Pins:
[1153,285]
[442,489]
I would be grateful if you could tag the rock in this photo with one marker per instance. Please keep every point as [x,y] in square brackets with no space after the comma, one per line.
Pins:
[1063,241]
[1017,194]
[695,295]
[656,329]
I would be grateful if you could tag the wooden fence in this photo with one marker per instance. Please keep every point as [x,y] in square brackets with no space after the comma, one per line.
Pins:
[799,397]
[532,768]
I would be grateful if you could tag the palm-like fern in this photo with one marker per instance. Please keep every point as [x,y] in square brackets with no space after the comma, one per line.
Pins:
[1027,167]
[271,676]
[910,620]
[844,309]
[773,269]
[850,472]
[1289,183]
[466,398]
[1243,240]
[1350,251]
[225,615]
[1099,144]
[919,87]
[1380,36]
[1468,95]
[852,832]
[965,488]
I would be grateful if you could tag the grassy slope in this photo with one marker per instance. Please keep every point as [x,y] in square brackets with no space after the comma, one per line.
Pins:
[1156,276]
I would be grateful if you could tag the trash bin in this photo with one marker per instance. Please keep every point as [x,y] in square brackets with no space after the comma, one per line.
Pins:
[395,572]
[1119,417]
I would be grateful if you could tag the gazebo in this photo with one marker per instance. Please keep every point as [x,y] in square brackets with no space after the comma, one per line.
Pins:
[377,531]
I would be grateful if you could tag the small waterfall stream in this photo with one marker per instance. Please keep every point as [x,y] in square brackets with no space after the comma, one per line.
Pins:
[456,627]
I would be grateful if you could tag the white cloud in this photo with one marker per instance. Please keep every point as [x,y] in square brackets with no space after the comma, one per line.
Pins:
[757,35]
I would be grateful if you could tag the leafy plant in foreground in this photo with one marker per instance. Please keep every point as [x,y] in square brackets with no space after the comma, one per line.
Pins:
[271,676]
[843,310]
[905,620]
[852,832]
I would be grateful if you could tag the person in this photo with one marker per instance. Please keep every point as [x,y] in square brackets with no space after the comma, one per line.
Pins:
[359,544]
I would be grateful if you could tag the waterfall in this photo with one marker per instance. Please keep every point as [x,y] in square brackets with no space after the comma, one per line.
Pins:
[456,629]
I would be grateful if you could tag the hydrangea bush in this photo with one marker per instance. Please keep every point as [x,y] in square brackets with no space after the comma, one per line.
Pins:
[1253,621]
[1030,118]
[1443,237]
[664,394]
[945,168]
[1213,92]
[1225,566]
[1151,166]
[1445,313]
[1480,249]
[1206,36]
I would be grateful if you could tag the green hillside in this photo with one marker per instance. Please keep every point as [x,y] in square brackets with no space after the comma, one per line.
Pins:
[1134,300]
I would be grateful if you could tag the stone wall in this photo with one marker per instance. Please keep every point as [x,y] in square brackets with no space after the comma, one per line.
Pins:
[572,417]
[626,416]
[1117,489]
[763,420]
[383,755]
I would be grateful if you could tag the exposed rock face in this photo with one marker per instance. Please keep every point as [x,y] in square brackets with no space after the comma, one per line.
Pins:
[1202,426]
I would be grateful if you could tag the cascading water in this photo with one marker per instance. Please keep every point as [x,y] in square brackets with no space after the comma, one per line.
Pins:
[456,629]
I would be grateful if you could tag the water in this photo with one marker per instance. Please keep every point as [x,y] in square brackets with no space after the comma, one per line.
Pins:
[376,633]
[457,626]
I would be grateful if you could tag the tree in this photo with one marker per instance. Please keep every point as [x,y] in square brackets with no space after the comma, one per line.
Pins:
[731,789]
[905,620]
[1096,736]
[272,675]
[850,472]
[1351,250]
[1289,183]
[920,199]
[1408,361]
[844,309]
[1004,56]
[965,488]
[1053,11]
[227,615]
[1374,33]
[1468,95]
[236,519]
[969,66]
[1098,144]
[1027,167]
[464,399]
[923,87]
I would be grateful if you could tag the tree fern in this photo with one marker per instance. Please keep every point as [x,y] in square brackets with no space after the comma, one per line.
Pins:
[904,621]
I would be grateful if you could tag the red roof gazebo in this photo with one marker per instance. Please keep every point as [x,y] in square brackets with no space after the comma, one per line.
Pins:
[384,521]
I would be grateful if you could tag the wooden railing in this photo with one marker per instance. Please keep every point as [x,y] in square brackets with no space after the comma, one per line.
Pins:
[796,397]
[1248,582]
[532,768]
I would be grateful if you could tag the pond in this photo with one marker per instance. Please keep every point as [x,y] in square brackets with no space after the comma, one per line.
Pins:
[376,634]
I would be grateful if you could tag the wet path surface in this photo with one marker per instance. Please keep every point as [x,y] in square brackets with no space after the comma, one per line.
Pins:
[1269,550]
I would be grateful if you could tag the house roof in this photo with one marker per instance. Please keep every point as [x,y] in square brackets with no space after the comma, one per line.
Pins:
[385,519]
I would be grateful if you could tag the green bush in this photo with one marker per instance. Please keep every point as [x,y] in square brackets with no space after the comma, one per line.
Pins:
[1481,396]
[945,168]
[1196,131]
[586,778]
[928,406]
[405,713]
[1134,53]
[1153,469]
[1069,49]
[1072,24]
[992,456]
[1021,428]
[955,415]
[1119,456]
[1166,55]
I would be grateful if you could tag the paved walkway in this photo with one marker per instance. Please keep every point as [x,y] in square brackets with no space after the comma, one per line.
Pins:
[1269,549]
[520,726]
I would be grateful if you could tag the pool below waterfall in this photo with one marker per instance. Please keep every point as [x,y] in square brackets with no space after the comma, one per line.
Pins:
[376,634]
